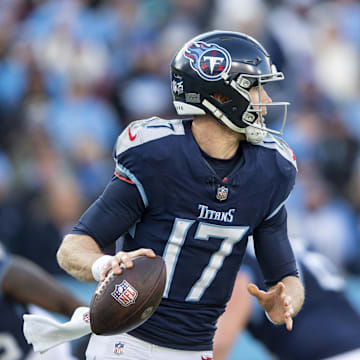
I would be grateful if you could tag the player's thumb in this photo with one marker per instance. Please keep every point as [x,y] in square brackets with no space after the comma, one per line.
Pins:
[279,288]
[253,290]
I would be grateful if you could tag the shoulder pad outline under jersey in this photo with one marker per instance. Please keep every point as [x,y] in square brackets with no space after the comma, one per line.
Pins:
[279,144]
[142,131]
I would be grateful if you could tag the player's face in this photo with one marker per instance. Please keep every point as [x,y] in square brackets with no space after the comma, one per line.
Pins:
[259,95]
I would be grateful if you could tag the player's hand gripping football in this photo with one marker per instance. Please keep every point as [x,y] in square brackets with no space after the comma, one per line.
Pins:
[276,303]
[123,259]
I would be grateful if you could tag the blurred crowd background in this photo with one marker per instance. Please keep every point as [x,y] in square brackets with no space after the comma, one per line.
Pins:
[73,73]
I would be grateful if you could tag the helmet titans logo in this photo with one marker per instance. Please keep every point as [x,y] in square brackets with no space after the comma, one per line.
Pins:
[210,61]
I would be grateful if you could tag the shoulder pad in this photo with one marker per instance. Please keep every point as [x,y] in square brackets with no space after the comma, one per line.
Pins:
[277,143]
[143,131]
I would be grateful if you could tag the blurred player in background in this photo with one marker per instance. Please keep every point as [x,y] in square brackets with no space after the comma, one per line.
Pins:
[22,283]
[192,191]
[328,327]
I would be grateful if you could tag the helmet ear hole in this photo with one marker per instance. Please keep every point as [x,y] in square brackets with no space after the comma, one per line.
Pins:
[213,73]
[250,117]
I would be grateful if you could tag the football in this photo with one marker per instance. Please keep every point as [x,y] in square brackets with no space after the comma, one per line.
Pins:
[123,302]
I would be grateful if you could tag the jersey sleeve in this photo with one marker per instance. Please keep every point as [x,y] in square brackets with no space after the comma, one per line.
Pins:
[112,214]
[273,249]
[285,168]
[271,243]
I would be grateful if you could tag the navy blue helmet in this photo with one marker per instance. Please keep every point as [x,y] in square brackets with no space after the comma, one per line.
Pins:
[230,64]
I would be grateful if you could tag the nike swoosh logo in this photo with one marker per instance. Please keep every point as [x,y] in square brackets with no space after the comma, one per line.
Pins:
[131,137]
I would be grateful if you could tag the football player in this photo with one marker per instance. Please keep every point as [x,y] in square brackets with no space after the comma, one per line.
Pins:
[192,191]
[328,326]
[21,283]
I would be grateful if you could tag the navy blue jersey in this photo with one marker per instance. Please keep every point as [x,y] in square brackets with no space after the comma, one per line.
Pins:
[197,221]
[12,341]
[327,325]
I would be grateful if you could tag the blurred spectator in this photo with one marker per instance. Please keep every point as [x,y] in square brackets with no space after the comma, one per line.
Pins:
[305,129]
[83,128]
[250,17]
[293,29]
[325,220]
[336,155]
[39,207]
[353,190]
[334,52]
[155,95]
[9,213]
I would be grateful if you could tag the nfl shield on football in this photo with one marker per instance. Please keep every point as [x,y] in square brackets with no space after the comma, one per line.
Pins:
[123,302]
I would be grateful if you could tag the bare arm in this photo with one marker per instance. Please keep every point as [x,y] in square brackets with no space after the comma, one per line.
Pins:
[282,301]
[234,319]
[76,255]
[28,283]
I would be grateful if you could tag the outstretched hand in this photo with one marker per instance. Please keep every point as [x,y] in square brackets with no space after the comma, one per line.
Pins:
[276,303]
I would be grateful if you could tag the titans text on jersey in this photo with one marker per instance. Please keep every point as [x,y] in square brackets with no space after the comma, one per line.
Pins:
[206,213]
[198,221]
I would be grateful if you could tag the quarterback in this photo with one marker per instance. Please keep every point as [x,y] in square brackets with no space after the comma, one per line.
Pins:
[193,191]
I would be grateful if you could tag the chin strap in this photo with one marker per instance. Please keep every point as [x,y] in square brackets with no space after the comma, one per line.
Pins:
[253,134]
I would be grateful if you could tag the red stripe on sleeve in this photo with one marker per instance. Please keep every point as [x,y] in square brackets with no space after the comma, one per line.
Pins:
[123,178]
